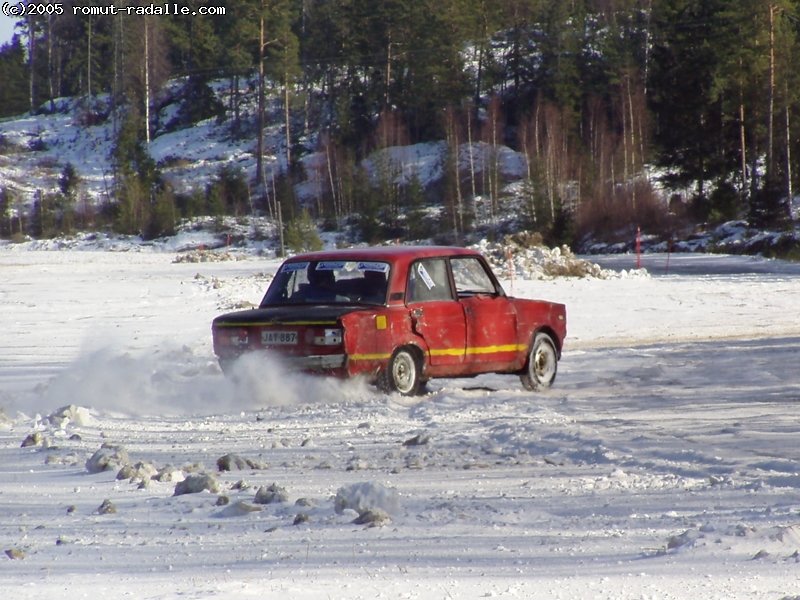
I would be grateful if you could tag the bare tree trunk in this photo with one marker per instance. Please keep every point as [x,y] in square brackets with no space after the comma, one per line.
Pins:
[471,152]
[632,141]
[332,182]
[459,216]
[31,63]
[146,81]
[89,57]
[263,183]
[642,112]
[647,47]
[788,142]
[388,70]
[50,67]
[119,57]
[452,147]
[536,133]
[624,141]
[479,73]
[526,146]
[494,165]
[232,103]
[742,139]
[287,121]
[634,162]
[771,112]
[260,132]
[550,159]
[742,133]
[279,212]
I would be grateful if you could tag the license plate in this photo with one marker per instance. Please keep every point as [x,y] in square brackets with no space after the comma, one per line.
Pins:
[278,338]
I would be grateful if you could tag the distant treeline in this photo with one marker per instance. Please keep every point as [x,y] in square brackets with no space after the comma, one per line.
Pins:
[595,93]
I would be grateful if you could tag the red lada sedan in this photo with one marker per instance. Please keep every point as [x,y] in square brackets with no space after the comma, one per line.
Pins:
[398,315]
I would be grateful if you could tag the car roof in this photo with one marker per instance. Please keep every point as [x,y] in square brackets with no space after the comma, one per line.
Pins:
[385,253]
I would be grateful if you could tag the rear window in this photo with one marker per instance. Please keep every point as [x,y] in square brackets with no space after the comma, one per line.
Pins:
[329,282]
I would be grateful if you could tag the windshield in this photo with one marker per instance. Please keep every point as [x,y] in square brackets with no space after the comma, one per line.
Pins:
[329,282]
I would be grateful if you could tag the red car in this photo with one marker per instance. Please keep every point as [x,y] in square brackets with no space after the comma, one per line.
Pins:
[399,316]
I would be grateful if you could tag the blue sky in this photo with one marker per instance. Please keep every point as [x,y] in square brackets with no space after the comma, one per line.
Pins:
[6,29]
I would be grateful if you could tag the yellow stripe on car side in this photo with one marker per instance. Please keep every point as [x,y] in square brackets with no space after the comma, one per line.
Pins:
[447,351]
[477,350]
[450,351]
[493,349]
[376,356]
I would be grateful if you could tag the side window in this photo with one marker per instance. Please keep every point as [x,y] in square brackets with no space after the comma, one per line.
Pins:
[428,280]
[471,277]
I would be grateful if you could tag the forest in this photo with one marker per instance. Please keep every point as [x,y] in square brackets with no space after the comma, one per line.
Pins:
[605,99]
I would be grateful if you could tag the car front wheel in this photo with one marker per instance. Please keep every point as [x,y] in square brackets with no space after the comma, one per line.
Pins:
[404,373]
[542,365]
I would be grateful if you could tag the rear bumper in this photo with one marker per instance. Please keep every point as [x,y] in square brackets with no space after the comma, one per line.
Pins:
[332,364]
[321,362]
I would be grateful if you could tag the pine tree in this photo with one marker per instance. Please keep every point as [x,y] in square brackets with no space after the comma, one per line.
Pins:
[686,109]
[239,37]
[281,56]
[13,99]
[135,177]
[6,228]
[739,53]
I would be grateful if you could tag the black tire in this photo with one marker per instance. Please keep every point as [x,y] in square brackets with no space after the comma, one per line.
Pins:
[542,364]
[403,373]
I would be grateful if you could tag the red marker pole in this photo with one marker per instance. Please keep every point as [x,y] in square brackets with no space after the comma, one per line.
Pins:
[638,248]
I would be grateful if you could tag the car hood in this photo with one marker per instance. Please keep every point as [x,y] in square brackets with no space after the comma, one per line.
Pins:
[287,314]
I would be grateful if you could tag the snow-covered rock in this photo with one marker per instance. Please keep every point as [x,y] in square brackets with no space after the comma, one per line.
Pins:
[107,458]
[367,496]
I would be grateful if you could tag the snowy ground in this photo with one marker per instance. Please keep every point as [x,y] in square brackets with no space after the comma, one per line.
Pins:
[663,464]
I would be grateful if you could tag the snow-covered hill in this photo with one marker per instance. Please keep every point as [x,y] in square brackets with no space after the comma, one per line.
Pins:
[36,148]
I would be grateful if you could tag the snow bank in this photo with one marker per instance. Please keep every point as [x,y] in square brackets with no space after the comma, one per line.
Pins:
[523,256]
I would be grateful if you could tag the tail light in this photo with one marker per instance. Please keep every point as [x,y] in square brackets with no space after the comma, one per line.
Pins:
[232,337]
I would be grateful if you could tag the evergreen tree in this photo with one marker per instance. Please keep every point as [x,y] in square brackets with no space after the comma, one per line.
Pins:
[5,214]
[197,102]
[434,68]
[239,37]
[739,81]
[687,113]
[301,234]
[228,192]
[195,46]
[135,177]
[281,58]
[13,99]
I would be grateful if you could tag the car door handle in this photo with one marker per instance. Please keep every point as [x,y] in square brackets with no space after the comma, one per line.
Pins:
[416,313]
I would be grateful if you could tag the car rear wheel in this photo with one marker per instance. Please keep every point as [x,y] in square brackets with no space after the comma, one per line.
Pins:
[403,373]
[226,365]
[542,365]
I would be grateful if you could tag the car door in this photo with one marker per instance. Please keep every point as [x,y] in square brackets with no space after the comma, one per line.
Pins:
[436,314]
[490,317]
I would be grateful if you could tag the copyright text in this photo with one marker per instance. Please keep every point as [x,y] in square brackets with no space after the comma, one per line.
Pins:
[24,9]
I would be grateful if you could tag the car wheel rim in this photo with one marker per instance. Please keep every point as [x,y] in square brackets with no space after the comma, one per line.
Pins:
[403,372]
[544,364]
